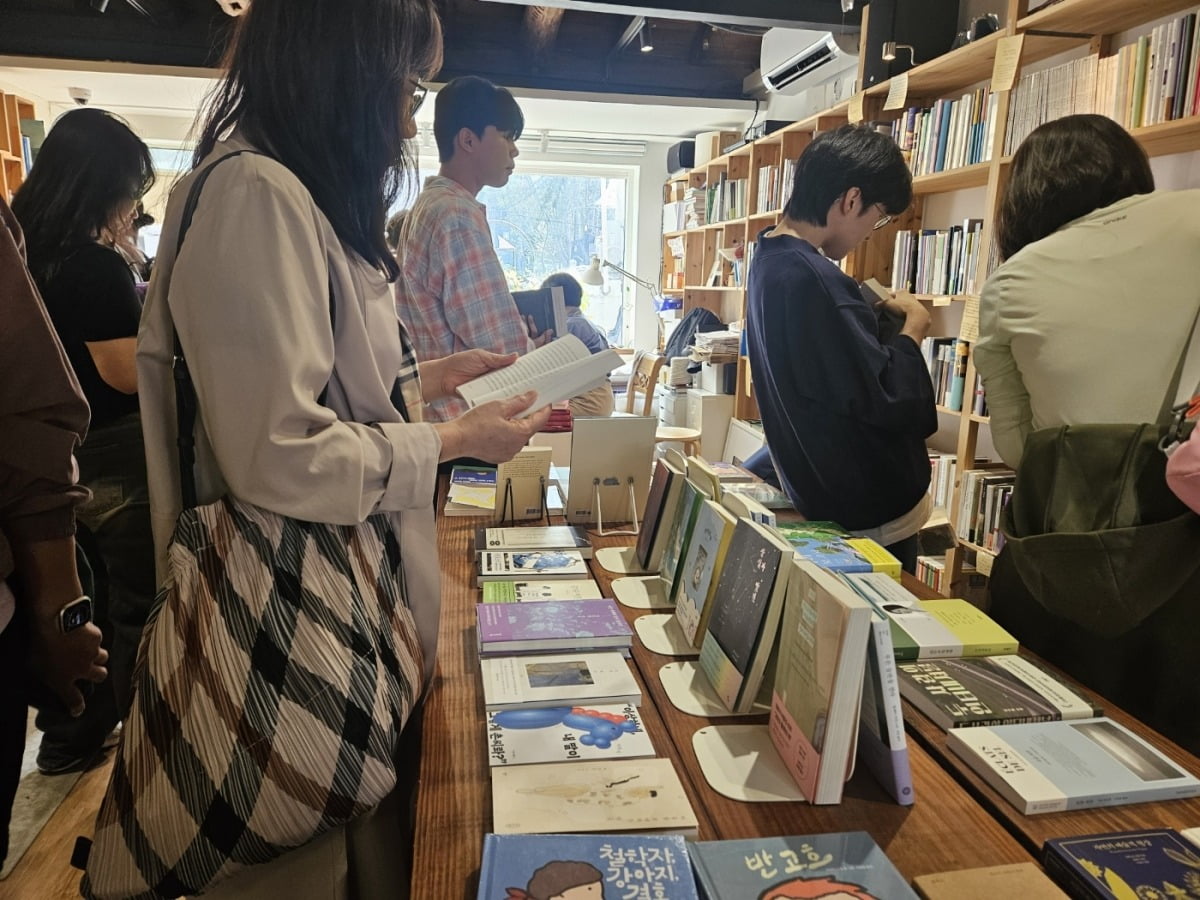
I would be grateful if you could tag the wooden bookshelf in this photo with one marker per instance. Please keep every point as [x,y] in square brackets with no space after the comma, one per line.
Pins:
[12,158]
[1061,26]
[953,179]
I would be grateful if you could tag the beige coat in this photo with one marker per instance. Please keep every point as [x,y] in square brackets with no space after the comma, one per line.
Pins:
[1089,324]
[249,295]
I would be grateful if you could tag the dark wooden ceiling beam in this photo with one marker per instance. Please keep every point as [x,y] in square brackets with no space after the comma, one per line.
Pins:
[819,14]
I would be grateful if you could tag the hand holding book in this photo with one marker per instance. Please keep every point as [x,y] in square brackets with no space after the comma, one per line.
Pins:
[558,371]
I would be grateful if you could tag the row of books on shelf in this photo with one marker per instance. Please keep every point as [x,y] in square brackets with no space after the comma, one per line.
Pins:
[982,498]
[1149,81]
[946,358]
[934,261]
[949,134]
[775,185]
[1149,863]
[727,198]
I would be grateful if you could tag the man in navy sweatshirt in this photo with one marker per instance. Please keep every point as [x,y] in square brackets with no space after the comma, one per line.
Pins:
[845,412]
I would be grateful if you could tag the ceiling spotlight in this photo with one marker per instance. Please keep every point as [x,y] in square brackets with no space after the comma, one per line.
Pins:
[100,5]
[890,48]
[647,44]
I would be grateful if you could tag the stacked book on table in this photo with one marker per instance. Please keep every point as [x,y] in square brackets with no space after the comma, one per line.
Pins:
[564,736]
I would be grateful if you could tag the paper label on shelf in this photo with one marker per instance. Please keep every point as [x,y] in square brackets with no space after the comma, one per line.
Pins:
[1008,62]
[855,115]
[983,563]
[941,301]
[897,92]
[970,321]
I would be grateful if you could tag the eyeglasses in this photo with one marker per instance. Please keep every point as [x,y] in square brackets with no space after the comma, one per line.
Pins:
[418,96]
[883,220]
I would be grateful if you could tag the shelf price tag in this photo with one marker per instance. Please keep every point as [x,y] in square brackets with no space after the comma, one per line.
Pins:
[855,115]
[1008,62]
[970,321]
[897,92]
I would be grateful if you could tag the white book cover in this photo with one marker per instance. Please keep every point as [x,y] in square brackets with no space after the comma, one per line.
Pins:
[543,565]
[532,537]
[642,795]
[536,591]
[513,682]
[557,371]
[1079,764]
[518,737]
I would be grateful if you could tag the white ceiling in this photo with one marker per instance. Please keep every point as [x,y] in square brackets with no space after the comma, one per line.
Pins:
[167,102]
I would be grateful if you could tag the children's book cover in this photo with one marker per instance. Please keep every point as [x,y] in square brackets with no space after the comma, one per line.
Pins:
[537,591]
[705,557]
[835,866]
[565,734]
[585,867]
[1125,865]
[614,795]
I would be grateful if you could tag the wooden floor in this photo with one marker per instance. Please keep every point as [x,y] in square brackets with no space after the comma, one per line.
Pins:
[44,872]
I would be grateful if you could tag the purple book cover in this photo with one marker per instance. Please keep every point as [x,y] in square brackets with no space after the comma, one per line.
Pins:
[550,620]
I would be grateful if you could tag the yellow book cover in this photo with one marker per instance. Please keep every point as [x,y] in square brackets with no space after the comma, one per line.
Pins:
[972,627]
[877,556]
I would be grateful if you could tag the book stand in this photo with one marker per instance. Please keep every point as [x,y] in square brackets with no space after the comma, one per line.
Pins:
[641,592]
[622,560]
[740,762]
[508,512]
[689,690]
[661,634]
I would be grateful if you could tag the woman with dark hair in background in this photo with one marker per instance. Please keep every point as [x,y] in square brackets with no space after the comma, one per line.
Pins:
[80,196]
[1085,324]
[310,397]
[1087,318]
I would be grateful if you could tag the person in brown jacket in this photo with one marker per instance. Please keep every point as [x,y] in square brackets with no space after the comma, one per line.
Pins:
[45,620]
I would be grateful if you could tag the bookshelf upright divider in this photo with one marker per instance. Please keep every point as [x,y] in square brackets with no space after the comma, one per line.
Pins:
[1056,28]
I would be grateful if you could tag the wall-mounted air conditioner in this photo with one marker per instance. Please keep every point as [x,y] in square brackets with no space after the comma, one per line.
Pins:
[794,60]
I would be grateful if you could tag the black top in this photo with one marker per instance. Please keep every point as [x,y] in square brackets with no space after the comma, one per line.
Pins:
[91,297]
[845,416]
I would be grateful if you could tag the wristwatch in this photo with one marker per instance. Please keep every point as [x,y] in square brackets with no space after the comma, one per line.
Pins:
[75,614]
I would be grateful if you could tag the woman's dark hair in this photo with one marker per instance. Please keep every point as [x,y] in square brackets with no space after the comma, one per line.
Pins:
[475,103]
[89,165]
[1065,169]
[847,157]
[319,85]
[571,288]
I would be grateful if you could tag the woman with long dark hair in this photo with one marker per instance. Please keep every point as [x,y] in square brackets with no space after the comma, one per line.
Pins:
[1086,319]
[80,197]
[310,398]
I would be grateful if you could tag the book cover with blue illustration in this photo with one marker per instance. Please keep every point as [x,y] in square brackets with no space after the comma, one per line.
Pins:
[838,865]
[1139,865]
[577,866]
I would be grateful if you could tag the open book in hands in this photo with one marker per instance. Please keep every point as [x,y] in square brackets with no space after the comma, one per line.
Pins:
[560,370]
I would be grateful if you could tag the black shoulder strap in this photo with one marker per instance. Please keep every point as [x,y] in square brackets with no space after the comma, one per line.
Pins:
[185,391]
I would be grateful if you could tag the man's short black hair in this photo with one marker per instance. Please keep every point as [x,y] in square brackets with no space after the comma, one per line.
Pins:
[475,103]
[847,157]
[572,289]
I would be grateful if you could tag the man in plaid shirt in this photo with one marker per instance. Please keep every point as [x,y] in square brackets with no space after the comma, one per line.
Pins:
[451,292]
